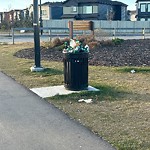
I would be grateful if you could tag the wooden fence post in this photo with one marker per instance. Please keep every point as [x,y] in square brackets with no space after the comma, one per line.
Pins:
[70,24]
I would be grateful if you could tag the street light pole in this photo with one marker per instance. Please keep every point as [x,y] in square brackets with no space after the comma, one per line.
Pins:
[37,66]
[41,21]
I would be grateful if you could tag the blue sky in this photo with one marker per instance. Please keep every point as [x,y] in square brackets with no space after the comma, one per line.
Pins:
[21,4]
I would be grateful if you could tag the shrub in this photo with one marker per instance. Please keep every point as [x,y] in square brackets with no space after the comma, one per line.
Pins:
[65,40]
[5,25]
[93,44]
[117,41]
[56,42]
[85,38]
[106,43]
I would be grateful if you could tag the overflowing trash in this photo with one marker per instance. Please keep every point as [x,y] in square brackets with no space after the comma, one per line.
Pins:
[75,46]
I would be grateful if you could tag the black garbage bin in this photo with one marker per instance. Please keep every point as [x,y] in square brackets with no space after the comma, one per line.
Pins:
[75,71]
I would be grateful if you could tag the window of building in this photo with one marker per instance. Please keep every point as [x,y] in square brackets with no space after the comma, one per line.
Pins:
[143,7]
[142,19]
[148,7]
[44,12]
[74,9]
[87,9]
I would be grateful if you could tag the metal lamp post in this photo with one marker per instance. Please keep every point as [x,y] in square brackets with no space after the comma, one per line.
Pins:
[41,21]
[37,66]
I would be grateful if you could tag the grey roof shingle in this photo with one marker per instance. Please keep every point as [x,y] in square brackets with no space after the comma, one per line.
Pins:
[53,3]
[96,1]
[141,1]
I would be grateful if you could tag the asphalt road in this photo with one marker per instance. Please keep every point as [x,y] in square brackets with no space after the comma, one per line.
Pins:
[30,38]
[28,122]
[21,38]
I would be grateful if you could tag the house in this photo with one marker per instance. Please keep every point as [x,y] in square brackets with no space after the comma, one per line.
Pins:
[30,10]
[16,14]
[94,10]
[11,15]
[49,10]
[143,10]
[5,22]
[25,13]
[5,16]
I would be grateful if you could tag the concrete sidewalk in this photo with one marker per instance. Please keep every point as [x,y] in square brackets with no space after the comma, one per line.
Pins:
[27,122]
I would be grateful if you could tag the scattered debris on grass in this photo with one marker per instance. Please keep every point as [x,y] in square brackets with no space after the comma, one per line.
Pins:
[88,101]
[132,71]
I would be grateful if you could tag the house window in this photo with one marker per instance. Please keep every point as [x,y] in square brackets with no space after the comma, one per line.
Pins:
[74,9]
[143,7]
[148,7]
[44,12]
[142,19]
[87,9]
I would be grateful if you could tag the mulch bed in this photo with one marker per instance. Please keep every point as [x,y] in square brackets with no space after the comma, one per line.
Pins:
[128,53]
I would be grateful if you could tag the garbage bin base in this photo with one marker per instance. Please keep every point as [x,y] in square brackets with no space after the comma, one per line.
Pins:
[75,89]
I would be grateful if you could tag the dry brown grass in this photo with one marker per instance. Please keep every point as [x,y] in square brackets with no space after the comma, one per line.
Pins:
[120,112]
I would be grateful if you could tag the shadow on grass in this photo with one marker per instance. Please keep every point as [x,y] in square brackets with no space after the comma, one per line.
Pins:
[106,93]
[46,72]
[136,69]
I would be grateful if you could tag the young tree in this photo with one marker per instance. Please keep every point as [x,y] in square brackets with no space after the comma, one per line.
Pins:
[110,14]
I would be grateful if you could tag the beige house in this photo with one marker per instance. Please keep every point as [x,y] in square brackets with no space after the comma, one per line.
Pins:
[49,10]
[44,9]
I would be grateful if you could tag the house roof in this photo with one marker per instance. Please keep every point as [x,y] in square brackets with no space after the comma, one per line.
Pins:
[119,3]
[140,1]
[95,1]
[69,16]
[52,3]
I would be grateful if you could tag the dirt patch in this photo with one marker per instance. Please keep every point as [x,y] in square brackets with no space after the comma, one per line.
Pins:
[128,53]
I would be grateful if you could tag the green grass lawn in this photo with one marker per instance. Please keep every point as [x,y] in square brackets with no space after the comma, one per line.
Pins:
[120,111]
